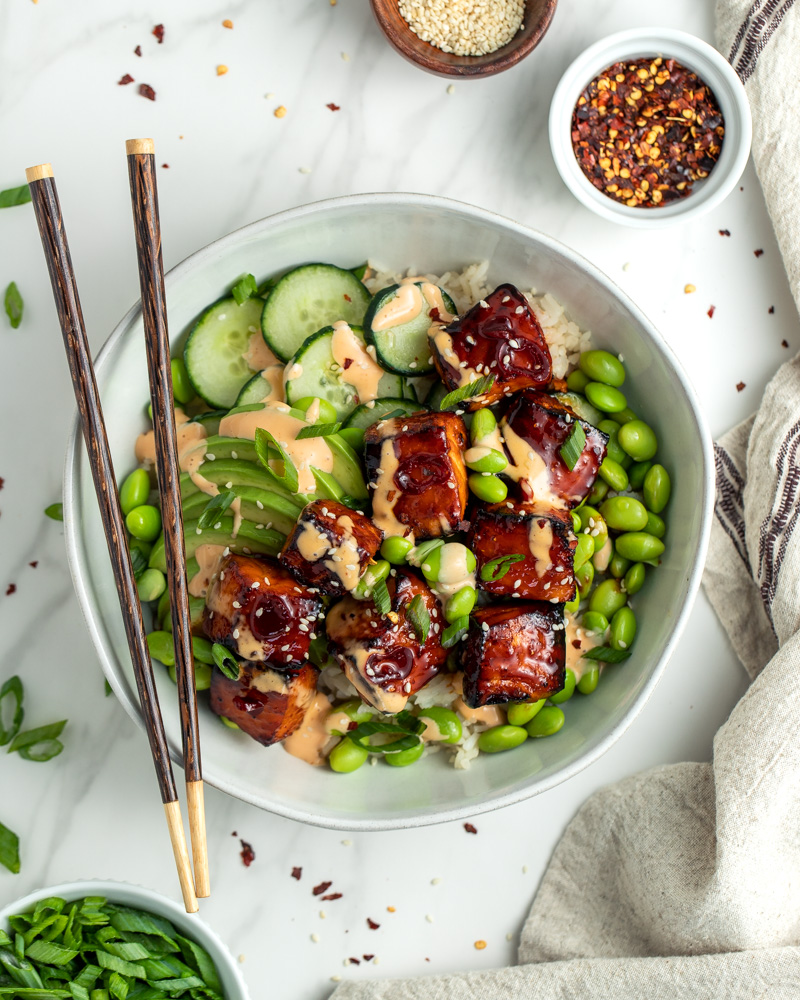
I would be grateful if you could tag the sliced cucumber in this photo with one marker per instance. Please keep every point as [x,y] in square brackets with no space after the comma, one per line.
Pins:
[321,376]
[581,406]
[436,394]
[366,415]
[277,511]
[253,391]
[307,299]
[403,347]
[215,348]
[264,541]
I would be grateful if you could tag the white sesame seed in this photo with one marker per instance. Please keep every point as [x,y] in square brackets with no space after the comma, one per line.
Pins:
[315,938]
[236,633]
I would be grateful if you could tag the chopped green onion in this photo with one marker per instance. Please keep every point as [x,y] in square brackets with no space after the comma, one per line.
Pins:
[215,508]
[244,289]
[419,616]
[496,569]
[606,654]
[352,502]
[14,305]
[55,511]
[318,431]
[109,689]
[225,661]
[11,689]
[266,286]
[399,412]
[381,598]
[572,448]
[360,271]
[15,196]
[265,441]
[455,632]
[476,388]
[9,849]
[405,727]
[39,744]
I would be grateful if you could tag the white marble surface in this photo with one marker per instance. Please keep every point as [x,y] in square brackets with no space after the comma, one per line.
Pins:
[94,811]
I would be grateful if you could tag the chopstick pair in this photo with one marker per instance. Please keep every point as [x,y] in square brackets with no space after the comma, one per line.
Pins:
[144,198]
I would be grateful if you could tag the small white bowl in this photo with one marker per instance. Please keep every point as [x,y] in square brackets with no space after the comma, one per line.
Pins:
[136,896]
[711,67]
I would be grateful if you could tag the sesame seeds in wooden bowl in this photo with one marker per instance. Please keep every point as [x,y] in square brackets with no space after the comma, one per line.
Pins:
[501,35]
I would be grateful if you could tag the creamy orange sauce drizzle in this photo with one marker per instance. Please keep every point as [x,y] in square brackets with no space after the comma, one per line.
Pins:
[602,558]
[208,559]
[362,373]
[273,376]
[540,541]
[382,506]
[312,740]
[190,440]
[476,453]
[268,682]
[258,356]
[453,571]
[486,715]
[444,345]
[588,640]
[313,544]
[404,307]
[528,468]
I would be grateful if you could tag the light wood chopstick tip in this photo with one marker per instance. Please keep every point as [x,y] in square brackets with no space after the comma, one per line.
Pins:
[172,810]
[38,173]
[134,146]
[197,834]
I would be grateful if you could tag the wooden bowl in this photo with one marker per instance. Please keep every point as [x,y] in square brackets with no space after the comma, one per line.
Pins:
[536,21]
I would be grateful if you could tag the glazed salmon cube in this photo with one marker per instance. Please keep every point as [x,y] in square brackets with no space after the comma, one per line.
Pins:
[542,535]
[382,656]
[415,467]
[267,704]
[499,336]
[514,652]
[256,608]
[534,430]
[330,547]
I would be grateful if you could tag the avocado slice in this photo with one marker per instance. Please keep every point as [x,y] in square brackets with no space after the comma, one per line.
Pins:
[275,509]
[261,541]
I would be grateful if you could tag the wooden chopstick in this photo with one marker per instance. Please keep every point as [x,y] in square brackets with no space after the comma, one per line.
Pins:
[147,228]
[65,292]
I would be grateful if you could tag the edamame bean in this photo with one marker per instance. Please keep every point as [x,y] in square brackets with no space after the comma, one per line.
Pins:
[202,676]
[371,576]
[151,585]
[353,436]
[593,523]
[500,738]
[395,549]
[492,461]
[420,552]
[201,649]
[355,709]
[638,546]
[546,723]
[636,474]
[594,621]
[601,366]
[624,416]
[134,490]
[584,578]
[162,612]
[483,424]
[614,474]
[583,551]
[608,598]
[613,449]
[572,606]
[182,388]
[656,488]
[144,547]
[326,414]
[460,604]
[589,681]
[576,521]
[567,691]
[605,397]
[161,647]
[634,578]
[144,522]
[624,513]
[655,525]
[402,758]
[347,756]
[639,440]
[577,381]
[598,491]
[488,488]
[446,721]
[520,714]
[618,566]
[623,629]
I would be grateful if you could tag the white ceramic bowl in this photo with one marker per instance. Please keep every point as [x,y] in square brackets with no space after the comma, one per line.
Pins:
[711,67]
[126,894]
[430,234]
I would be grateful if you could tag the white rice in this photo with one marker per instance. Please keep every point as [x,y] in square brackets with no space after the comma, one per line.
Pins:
[564,338]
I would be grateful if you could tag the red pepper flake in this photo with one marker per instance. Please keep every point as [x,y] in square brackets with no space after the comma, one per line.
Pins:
[354,961]
[372,925]
[165,166]
[784,343]
[147,91]
[234,834]
[576,643]
[297,873]
[125,80]
[368,958]
[158,31]
[758,253]
[138,50]
[35,562]
[740,386]
[470,828]
[724,232]
[12,589]
[711,311]
[2,482]
[771,310]
[347,363]
[248,855]
[333,107]
[322,887]
[332,895]
[347,298]
[644,130]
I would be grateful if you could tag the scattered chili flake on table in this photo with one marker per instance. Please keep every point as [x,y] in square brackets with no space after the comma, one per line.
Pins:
[2,482]
[771,310]
[644,131]
[158,31]
[759,253]
[125,80]
[227,23]
[247,853]
[470,828]
[724,232]
[784,343]
[372,925]
[711,311]
[147,91]
[354,961]
[333,895]
[740,386]
[11,589]
[368,958]
[165,166]
[322,887]
[138,50]
[35,562]
[333,107]
[297,873]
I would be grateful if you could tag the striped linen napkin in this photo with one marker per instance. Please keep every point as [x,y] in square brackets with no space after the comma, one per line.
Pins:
[684,881]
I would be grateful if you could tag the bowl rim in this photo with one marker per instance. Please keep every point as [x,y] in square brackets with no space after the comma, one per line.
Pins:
[710,65]
[190,924]
[78,561]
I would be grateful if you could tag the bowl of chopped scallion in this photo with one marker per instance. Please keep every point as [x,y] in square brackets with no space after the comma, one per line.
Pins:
[102,940]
